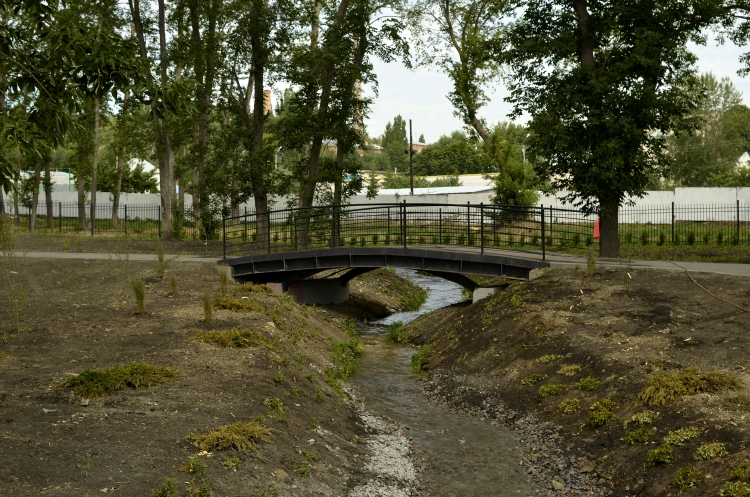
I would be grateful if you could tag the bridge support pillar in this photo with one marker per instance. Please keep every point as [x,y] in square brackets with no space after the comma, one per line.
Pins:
[484,292]
[321,291]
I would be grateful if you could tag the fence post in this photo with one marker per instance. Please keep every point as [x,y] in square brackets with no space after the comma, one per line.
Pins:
[224,234]
[738,221]
[544,254]
[93,220]
[59,214]
[481,226]
[245,219]
[468,223]
[672,222]
[268,229]
[126,219]
[403,222]
[159,222]
[295,231]
[388,236]
[440,225]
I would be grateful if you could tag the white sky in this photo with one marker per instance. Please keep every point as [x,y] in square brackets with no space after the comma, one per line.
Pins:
[420,95]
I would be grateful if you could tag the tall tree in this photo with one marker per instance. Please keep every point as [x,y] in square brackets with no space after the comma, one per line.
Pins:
[395,141]
[604,83]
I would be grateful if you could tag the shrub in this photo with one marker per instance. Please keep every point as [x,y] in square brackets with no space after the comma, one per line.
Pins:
[195,465]
[173,285]
[688,478]
[236,305]
[742,473]
[639,436]
[642,418]
[644,238]
[167,489]
[420,359]
[231,463]
[548,390]
[589,383]
[99,383]
[207,308]
[590,263]
[397,333]
[667,386]
[139,292]
[736,489]
[706,238]
[235,339]
[691,238]
[375,239]
[569,370]
[679,437]
[548,358]
[223,282]
[275,408]
[602,412]
[661,455]
[710,450]
[533,379]
[662,239]
[570,406]
[576,239]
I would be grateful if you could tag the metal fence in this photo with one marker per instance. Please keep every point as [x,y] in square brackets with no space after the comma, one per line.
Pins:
[128,220]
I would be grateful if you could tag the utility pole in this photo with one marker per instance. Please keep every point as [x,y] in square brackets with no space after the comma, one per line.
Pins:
[411,161]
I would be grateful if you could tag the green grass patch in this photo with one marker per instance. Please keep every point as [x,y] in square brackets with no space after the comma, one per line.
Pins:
[570,406]
[642,418]
[549,390]
[639,436]
[602,412]
[420,359]
[545,359]
[661,455]
[735,489]
[275,408]
[100,383]
[232,463]
[250,288]
[236,305]
[710,450]
[397,333]
[235,339]
[533,379]
[679,437]
[167,489]
[239,436]
[667,386]
[742,472]
[569,370]
[688,478]
[195,465]
[588,384]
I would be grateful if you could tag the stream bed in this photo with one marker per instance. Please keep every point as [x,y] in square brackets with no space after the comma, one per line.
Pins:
[465,457]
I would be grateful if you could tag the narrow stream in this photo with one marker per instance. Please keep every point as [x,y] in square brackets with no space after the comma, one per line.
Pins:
[464,456]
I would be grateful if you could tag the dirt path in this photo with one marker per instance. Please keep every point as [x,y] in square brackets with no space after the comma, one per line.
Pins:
[519,359]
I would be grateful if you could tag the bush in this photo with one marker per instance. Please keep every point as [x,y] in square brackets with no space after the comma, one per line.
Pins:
[720,238]
[238,436]
[602,412]
[644,238]
[737,489]
[691,238]
[661,455]
[139,292]
[548,390]
[688,478]
[639,436]
[99,383]
[642,418]
[548,358]
[589,383]
[420,359]
[662,239]
[679,437]
[533,379]
[570,406]
[667,386]
[742,473]
[569,370]
[706,238]
[397,333]
[710,450]
[167,489]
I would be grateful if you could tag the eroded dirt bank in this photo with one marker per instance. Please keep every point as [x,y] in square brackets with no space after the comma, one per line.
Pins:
[566,359]
[262,360]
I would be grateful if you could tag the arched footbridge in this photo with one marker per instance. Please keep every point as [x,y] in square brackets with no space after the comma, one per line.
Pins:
[313,253]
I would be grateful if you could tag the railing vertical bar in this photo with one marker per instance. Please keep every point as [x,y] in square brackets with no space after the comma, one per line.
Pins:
[481,227]
[544,254]
[59,214]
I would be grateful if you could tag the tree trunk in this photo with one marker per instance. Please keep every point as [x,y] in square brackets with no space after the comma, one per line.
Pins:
[95,162]
[48,191]
[482,131]
[609,238]
[81,203]
[166,161]
[118,161]
[35,194]
[260,194]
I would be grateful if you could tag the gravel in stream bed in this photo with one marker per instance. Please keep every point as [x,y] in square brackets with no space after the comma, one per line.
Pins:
[541,442]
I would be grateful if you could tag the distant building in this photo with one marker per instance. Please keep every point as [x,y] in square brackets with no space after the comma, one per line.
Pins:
[744,161]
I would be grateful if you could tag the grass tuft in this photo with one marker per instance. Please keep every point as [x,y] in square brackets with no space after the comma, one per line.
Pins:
[139,292]
[642,418]
[420,359]
[167,489]
[589,383]
[736,489]
[223,282]
[545,359]
[99,383]
[548,390]
[679,437]
[173,285]
[397,333]
[195,465]
[235,339]
[570,406]
[250,288]
[688,478]
[275,408]
[742,473]
[661,455]
[710,450]
[232,463]
[207,308]
[590,263]
[533,379]
[667,386]
[639,436]
[239,436]
[569,370]
[236,305]
[602,412]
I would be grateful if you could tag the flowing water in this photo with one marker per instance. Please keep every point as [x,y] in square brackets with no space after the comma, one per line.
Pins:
[465,457]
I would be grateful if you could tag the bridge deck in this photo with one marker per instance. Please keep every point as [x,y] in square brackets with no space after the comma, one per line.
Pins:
[446,261]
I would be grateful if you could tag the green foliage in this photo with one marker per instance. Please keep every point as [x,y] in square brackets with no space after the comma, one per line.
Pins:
[688,478]
[661,455]
[710,450]
[397,333]
[198,489]
[223,282]
[236,305]
[278,377]
[742,472]
[235,338]
[232,463]
[139,292]
[302,469]
[667,386]
[639,436]
[394,142]
[735,489]
[602,412]
[545,359]
[207,308]
[570,406]
[99,383]
[173,284]
[533,379]
[589,383]
[569,370]
[167,489]
[642,418]
[421,358]
[548,390]
[195,465]
[682,435]
[449,156]
[239,436]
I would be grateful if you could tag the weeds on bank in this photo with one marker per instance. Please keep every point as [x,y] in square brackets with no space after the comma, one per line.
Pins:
[736,489]
[250,288]
[271,491]
[639,436]
[235,338]
[667,386]
[139,292]
[223,282]
[661,455]
[570,406]
[195,466]
[602,412]
[679,437]
[239,436]
[548,390]
[99,383]
[198,489]
[569,370]
[173,285]
[641,418]
[302,469]
[232,463]
[161,258]
[397,333]
[167,489]
[546,359]
[275,408]
[588,384]
[236,305]
[710,450]
[421,358]
[688,478]
[66,244]
[742,473]
[533,379]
